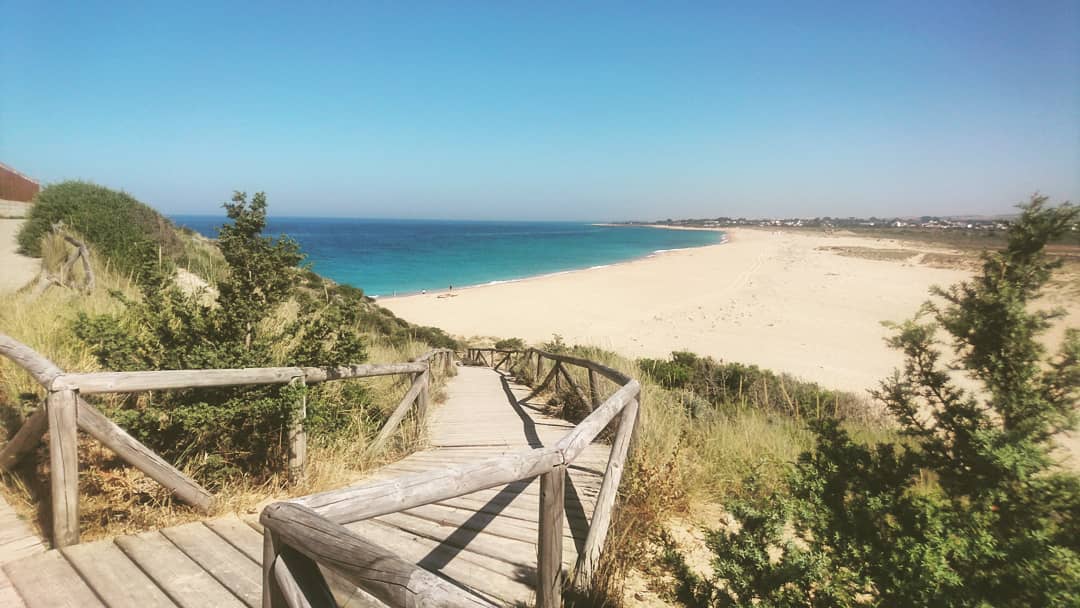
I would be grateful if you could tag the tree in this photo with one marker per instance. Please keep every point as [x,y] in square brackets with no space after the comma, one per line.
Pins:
[228,430]
[970,509]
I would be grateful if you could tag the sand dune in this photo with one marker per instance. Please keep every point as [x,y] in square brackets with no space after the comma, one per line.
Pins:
[15,270]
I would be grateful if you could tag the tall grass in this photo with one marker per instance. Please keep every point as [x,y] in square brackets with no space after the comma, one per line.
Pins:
[692,449]
[117,499]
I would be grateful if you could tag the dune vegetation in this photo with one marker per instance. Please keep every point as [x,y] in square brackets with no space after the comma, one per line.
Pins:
[251,303]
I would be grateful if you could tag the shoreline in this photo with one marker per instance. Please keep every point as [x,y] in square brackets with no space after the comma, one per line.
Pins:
[782,300]
[443,293]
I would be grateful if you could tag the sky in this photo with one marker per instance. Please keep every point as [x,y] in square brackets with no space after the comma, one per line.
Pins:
[550,110]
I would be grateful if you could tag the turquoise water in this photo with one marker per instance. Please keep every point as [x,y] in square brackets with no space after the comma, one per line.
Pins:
[384,257]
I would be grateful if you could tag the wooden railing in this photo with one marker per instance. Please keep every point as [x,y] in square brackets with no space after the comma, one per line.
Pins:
[303,533]
[65,412]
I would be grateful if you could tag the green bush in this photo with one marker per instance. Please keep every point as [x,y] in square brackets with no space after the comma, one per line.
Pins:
[971,508]
[730,386]
[229,431]
[510,344]
[118,227]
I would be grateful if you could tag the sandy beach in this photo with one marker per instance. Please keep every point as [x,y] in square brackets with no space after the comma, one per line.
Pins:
[786,301]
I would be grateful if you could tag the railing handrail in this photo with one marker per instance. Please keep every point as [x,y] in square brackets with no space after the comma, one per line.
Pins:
[65,412]
[364,501]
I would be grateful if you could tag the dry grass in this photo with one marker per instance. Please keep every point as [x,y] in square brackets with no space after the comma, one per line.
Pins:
[682,461]
[117,499]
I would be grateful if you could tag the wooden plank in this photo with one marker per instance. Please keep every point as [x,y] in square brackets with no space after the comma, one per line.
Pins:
[131,451]
[234,570]
[549,555]
[239,535]
[114,577]
[48,581]
[610,373]
[9,597]
[373,568]
[64,467]
[496,580]
[184,581]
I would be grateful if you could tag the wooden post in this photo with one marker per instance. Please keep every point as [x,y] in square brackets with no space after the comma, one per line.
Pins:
[594,389]
[297,434]
[549,548]
[605,501]
[64,466]
[558,377]
[399,413]
[424,399]
[271,591]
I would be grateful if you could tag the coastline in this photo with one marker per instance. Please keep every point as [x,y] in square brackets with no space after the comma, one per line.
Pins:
[771,298]
[382,299]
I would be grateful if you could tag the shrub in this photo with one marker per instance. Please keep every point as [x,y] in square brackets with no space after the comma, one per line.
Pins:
[227,430]
[118,227]
[730,386]
[510,344]
[970,509]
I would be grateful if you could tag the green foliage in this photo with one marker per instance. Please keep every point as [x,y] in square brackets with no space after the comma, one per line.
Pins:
[970,509]
[230,430]
[510,344]
[731,386]
[118,227]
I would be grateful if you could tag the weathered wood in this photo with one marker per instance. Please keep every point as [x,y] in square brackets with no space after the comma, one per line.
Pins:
[610,373]
[175,573]
[302,584]
[298,434]
[370,500]
[227,564]
[549,551]
[368,370]
[43,370]
[26,439]
[113,576]
[273,596]
[539,364]
[61,407]
[542,385]
[423,400]
[605,502]
[98,426]
[575,387]
[399,412]
[130,382]
[48,581]
[575,441]
[594,390]
[376,570]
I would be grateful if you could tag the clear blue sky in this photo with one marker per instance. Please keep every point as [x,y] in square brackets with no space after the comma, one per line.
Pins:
[550,110]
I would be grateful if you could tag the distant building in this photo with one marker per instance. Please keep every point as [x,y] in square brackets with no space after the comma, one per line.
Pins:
[15,186]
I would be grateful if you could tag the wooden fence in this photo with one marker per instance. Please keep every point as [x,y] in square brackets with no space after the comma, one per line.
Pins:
[65,412]
[303,533]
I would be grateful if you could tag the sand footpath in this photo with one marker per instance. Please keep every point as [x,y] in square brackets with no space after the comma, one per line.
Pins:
[15,270]
[781,300]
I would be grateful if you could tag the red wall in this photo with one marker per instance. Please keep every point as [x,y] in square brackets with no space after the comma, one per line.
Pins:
[15,186]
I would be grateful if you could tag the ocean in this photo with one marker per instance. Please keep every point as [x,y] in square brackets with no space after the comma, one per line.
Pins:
[388,257]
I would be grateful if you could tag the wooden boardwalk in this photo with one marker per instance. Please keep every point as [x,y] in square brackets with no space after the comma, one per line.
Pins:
[485,542]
